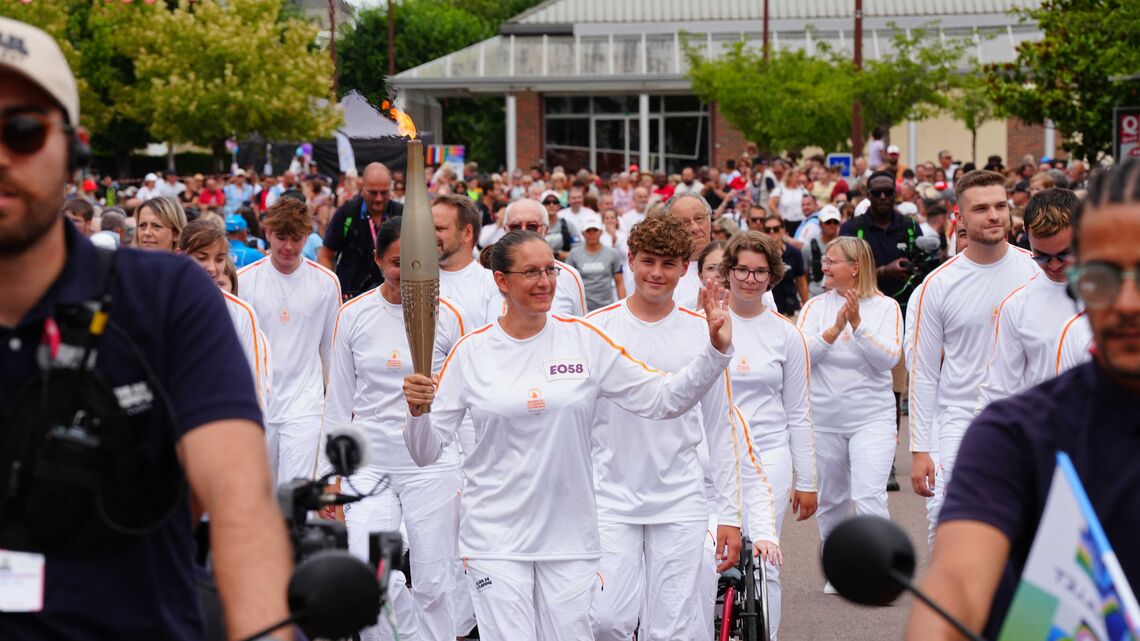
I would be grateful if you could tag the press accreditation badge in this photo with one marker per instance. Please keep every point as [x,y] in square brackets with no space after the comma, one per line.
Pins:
[567,368]
[21,581]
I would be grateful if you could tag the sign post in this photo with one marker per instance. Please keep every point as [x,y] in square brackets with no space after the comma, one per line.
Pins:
[843,160]
[1125,133]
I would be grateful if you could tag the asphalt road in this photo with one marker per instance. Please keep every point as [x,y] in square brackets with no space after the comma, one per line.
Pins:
[809,614]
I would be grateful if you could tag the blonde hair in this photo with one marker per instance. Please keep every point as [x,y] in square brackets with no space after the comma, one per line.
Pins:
[858,252]
[168,211]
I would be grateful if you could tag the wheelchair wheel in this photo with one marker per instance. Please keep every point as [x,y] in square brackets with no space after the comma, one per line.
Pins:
[754,612]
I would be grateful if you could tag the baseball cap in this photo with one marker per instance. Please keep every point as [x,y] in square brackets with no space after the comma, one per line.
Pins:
[592,222]
[33,54]
[829,213]
[151,177]
[240,172]
[549,193]
[1022,185]
[908,209]
[893,149]
[88,185]
[235,222]
[737,183]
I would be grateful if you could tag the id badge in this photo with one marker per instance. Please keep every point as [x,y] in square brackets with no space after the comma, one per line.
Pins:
[21,581]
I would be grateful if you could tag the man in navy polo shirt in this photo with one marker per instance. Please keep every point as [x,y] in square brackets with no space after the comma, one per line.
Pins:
[142,587]
[1092,413]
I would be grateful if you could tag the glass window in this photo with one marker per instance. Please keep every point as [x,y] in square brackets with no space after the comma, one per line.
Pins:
[662,58]
[570,159]
[615,105]
[627,54]
[572,105]
[571,132]
[610,133]
[683,103]
[528,56]
[560,56]
[595,55]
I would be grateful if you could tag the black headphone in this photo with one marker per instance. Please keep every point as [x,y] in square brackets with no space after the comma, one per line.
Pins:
[78,151]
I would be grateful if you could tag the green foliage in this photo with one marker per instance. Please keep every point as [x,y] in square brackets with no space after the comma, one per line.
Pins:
[1065,76]
[971,105]
[788,102]
[426,30]
[912,82]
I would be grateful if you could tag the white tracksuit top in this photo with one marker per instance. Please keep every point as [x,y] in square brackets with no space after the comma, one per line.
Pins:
[954,316]
[1029,325]
[529,492]
[473,289]
[648,471]
[297,312]
[1074,343]
[851,379]
[367,365]
[770,377]
[254,345]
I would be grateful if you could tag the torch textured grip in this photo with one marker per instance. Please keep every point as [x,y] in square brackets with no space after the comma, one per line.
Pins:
[421,308]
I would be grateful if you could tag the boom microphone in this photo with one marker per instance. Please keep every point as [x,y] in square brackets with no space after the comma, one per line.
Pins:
[870,561]
[347,449]
[928,244]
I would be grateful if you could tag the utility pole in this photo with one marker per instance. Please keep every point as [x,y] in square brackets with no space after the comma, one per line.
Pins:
[857,109]
[391,41]
[332,49]
[765,30]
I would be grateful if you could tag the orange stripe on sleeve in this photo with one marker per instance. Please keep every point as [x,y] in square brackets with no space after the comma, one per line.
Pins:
[602,310]
[447,361]
[1061,342]
[443,301]
[608,341]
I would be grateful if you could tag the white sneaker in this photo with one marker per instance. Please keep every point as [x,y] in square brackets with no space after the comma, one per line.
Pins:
[829,589]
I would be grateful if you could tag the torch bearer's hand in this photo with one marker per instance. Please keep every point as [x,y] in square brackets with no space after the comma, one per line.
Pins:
[419,390]
[714,300]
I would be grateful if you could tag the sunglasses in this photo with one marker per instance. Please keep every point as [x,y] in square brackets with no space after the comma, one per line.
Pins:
[26,133]
[1041,258]
[551,202]
[528,226]
[773,229]
[881,193]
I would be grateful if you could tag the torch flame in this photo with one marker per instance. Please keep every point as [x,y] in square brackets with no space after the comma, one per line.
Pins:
[404,125]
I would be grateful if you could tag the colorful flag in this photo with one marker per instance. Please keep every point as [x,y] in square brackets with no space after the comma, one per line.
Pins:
[1072,588]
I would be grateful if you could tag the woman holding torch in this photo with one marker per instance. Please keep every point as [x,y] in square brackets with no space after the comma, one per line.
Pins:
[531,382]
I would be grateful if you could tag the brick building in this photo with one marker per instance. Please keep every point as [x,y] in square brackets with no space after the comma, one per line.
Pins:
[602,84]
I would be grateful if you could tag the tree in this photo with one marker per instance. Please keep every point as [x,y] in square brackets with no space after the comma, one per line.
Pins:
[788,102]
[208,70]
[912,82]
[426,30]
[971,104]
[1066,76]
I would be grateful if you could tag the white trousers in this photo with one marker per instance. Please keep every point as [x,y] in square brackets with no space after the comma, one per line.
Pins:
[777,466]
[853,470]
[297,443]
[533,600]
[649,573]
[708,578]
[950,436]
[934,503]
[428,504]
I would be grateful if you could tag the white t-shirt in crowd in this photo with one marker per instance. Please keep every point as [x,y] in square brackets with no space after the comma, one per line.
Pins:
[569,296]
[648,471]
[297,312]
[769,373]
[474,289]
[1025,338]
[630,218]
[578,217]
[851,378]
[791,204]
[146,193]
[368,362]
[163,188]
[955,309]
[529,491]
[254,346]
[1075,343]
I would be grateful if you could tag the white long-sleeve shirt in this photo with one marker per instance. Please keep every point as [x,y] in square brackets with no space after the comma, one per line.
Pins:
[1074,344]
[254,345]
[1029,324]
[367,364]
[954,315]
[851,378]
[770,374]
[529,492]
[297,312]
[648,471]
[474,289]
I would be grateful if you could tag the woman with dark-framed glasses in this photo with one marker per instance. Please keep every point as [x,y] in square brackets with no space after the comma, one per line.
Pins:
[854,336]
[769,373]
[531,382]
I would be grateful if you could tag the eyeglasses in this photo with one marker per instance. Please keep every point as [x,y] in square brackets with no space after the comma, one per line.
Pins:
[827,262]
[1043,259]
[26,133]
[773,229]
[881,193]
[755,221]
[1098,284]
[527,226]
[741,273]
[534,274]
[551,202]
[377,192]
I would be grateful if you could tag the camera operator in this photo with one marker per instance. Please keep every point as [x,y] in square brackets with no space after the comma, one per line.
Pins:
[166,399]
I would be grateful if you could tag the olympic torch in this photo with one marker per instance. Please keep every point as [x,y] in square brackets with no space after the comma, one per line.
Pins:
[419,265]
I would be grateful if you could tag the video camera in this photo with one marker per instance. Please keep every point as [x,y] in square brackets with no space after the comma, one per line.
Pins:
[921,257]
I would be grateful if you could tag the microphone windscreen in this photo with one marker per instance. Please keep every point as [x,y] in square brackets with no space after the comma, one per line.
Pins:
[359,448]
[334,595]
[928,244]
[863,556]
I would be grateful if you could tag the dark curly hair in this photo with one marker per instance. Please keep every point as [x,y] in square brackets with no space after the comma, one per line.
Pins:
[662,236]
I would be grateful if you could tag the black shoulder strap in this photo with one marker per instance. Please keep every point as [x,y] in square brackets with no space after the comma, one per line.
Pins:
[816,261]
[99,307]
